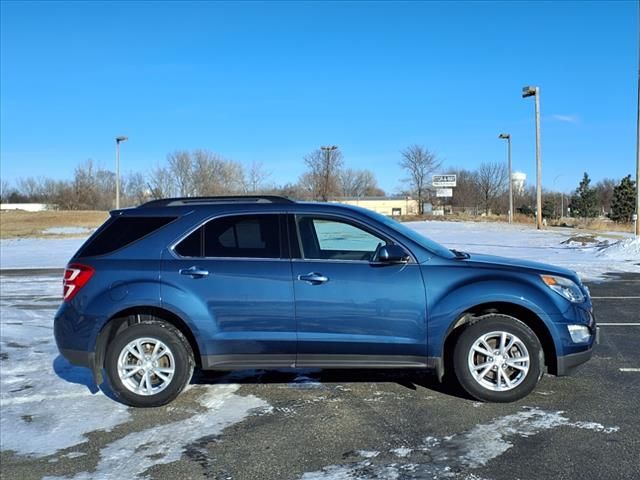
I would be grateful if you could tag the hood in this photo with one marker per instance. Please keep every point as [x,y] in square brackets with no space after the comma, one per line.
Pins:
[493,260]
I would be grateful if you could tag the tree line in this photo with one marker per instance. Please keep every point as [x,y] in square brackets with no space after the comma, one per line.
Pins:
[483,190]
[189,174]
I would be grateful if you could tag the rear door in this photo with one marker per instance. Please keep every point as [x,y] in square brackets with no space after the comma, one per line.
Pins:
[350,310]
[232,278]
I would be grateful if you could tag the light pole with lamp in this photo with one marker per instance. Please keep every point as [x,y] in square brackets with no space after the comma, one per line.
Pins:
[327,173]
[535,92]
[118,141]
[507,137]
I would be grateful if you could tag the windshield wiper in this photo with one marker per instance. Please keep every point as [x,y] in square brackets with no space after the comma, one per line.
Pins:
[460,254]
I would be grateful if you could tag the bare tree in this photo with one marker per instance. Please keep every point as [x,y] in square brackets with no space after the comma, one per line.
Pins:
[604,189]
[491,181]
[419,164]
[257,175]
[180,166]
[5,190]
[358,183]
[322,179]
[161,183]
[465,194]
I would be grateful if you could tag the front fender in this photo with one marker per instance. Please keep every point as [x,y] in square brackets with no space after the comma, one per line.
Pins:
[448,301]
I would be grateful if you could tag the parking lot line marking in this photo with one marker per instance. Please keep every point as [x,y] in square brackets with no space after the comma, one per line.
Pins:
[620,324]
[613,298]
[630,369]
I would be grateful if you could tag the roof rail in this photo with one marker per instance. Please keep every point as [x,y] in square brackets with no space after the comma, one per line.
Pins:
[186,201]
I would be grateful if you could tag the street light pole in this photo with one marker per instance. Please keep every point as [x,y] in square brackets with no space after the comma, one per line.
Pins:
[118,140]
[327,173]
[535,92]
[507,137]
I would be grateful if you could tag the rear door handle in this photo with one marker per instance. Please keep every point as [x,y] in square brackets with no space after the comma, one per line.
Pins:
[313,278]
[194,272]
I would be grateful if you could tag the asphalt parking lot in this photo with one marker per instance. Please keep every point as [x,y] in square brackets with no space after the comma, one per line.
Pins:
[396,425]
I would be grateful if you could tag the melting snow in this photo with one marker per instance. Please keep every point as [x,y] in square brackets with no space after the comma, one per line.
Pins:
[47,404]
[467,450]
[166,443]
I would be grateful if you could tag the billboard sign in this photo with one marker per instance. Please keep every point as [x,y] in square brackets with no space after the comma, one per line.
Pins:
[444,192]
[444,181]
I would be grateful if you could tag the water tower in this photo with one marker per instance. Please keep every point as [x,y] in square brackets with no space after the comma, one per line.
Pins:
[518,179]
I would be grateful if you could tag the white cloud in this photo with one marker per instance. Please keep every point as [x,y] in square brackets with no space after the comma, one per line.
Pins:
[566,118]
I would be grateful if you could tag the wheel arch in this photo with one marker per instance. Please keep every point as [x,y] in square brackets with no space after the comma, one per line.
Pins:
[131,316]
[528,317]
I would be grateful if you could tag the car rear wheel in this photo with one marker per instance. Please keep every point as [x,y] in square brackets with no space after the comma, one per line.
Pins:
[498,359]
[149,364]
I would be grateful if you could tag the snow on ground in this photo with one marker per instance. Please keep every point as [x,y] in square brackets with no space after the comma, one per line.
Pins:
[37,252]
[48,405]
[68,230]
[606,253]
[165,443]
[39,391]
[449,455]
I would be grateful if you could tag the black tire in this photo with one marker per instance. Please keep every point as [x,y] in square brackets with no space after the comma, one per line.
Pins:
[492,386]
[180,355]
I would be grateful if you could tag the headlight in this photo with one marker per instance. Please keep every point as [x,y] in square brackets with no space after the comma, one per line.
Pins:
[565,287]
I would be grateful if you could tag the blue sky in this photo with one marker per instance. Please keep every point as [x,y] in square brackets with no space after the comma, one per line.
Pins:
[270,82]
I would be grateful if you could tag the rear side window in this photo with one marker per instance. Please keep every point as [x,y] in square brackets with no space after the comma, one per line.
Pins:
[247,236]
[121,232]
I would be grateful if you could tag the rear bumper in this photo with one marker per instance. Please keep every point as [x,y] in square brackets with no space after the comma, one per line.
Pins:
[78,357]
[568,364]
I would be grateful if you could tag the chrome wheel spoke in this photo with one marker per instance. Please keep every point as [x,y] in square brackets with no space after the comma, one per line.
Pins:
[482,350]
[133,369]
[503,342]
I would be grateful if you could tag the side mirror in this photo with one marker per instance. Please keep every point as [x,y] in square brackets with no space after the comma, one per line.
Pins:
[391,254]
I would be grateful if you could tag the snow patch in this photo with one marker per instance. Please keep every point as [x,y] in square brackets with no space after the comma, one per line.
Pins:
[402,451]
[450,455]
[67,231]
[136,452]
[47,404]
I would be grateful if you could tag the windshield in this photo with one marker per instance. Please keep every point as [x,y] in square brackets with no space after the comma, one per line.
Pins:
[413,235]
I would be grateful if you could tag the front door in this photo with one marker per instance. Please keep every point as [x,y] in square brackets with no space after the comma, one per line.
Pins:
[233,278]
[350,310]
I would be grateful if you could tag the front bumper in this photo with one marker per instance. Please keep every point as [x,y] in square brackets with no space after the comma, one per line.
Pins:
[568,364]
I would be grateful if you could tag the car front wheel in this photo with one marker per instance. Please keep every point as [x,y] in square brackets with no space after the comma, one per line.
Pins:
[498,359]
[149,364]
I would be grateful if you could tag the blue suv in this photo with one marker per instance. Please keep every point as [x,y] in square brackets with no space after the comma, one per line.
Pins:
[227,283]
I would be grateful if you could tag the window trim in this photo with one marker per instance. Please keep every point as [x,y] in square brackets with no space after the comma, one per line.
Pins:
[295,236]
[212,218]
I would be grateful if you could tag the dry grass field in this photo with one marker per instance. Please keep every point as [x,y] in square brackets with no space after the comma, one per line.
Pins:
[17,223]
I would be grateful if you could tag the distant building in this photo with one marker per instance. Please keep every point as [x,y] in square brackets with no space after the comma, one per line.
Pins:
[390,206]
[28,207]
[518,180]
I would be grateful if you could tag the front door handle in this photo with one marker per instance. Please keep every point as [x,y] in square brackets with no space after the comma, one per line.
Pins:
[194,272]
[313,278]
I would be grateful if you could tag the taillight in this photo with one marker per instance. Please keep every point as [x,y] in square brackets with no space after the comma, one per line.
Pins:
[76,276]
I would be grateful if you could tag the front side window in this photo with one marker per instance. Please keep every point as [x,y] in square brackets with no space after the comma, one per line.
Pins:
[328,239]
[246,236]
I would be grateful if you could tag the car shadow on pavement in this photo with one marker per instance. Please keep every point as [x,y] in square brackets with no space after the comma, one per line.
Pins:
[300,378]
[81,376]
